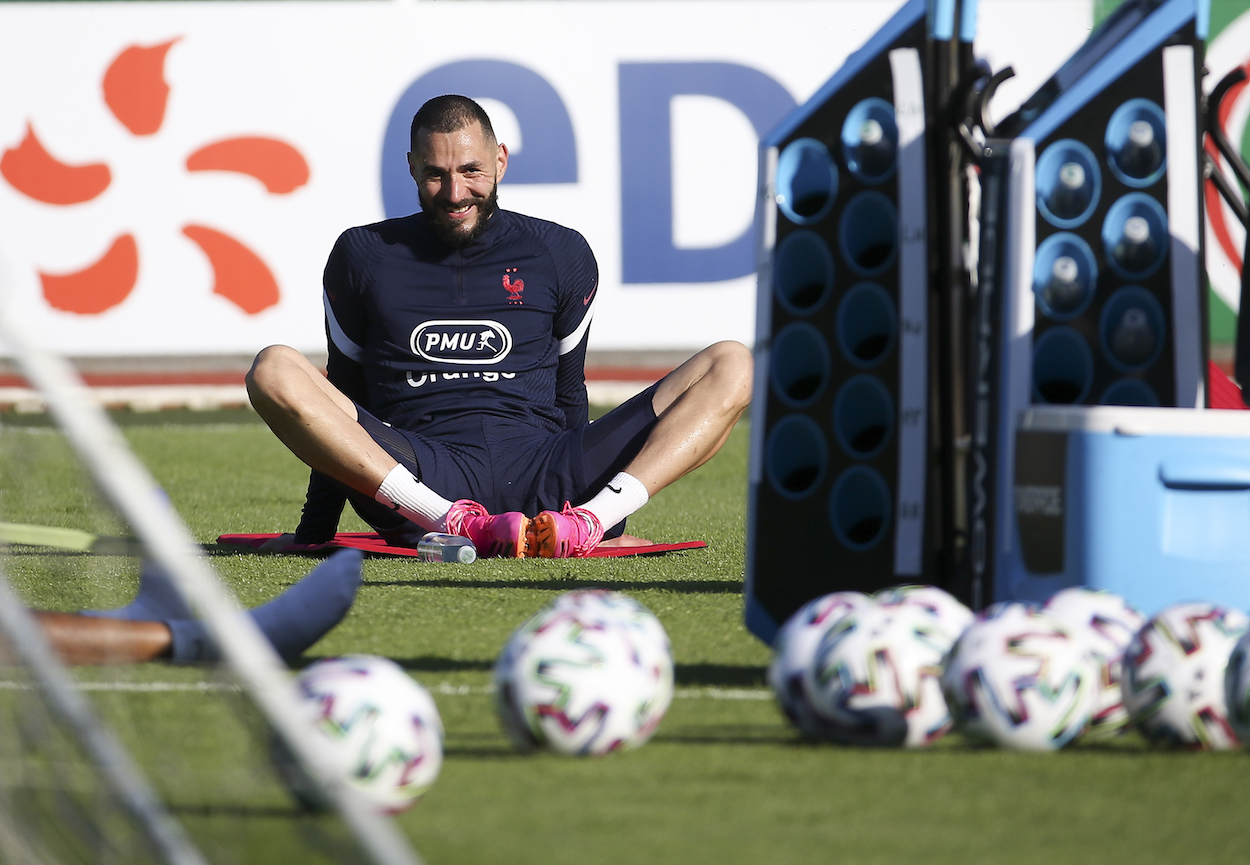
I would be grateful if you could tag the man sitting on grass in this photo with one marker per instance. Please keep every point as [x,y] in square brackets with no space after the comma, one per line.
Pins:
[456,395]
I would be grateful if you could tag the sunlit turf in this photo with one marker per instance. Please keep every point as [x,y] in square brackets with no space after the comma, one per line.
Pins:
[724,781]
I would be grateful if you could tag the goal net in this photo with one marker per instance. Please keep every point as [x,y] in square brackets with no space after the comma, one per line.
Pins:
[140,762]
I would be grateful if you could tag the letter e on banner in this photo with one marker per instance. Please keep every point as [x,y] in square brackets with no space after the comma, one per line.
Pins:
[549,154]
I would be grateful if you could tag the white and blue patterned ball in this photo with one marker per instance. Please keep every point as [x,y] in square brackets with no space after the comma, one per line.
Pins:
[794,652]
[590,673]
[1107,624]
[1237,689]
[381,729]
[1174,675]
[1019,678]
[875,678]
[951,615]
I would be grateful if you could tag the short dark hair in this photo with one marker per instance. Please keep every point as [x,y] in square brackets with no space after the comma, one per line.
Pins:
[447,114]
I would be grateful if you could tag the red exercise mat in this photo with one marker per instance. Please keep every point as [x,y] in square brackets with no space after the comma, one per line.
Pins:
[370,542]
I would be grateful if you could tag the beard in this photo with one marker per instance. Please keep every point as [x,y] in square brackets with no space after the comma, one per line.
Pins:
[457,237]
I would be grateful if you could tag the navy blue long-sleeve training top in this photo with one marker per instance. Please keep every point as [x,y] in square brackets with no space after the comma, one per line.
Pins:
[429,338]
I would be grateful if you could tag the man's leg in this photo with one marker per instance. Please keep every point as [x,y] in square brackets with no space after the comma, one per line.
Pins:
[87,640]
[696,407]
[158,624]
[320,425]
[315,420]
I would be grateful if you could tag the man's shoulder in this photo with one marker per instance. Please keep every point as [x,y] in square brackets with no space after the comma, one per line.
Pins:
[387,230]
[368,245]
[556,237]
[533,223]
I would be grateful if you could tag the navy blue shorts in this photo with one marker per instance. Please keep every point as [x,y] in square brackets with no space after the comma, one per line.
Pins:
[507,467]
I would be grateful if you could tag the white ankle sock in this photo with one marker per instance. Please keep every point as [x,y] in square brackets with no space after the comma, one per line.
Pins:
[623,495]
[413,499]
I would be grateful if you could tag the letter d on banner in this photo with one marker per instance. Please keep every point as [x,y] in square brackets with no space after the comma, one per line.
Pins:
[646,92]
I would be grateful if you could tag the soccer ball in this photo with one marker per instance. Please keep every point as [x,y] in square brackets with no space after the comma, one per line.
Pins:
[1237,688]
[1174,673]
[1019,678]
[950,614]
[590,673]
[794,650]
[1107,623]
[604,607]
[381,729]
[875,677]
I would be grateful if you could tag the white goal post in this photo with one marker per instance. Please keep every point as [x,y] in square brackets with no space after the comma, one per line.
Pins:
[248,656]
[125,781]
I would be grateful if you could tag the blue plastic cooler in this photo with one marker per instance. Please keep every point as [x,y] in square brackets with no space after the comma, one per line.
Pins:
[1150,503]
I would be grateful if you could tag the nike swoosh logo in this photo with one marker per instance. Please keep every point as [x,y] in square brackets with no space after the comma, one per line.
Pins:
[394,506]
[586,299]
[614,489]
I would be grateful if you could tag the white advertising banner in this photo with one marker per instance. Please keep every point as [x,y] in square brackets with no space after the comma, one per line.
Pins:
[173,175]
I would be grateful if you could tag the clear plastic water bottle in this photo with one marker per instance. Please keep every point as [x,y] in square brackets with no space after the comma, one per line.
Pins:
[1071,193]
[1136,251]
[1065,292]
[1133,339]
[1142,154]
[875,150]
[441,547]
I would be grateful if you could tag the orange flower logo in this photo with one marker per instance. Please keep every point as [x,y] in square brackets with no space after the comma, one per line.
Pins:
[136,93]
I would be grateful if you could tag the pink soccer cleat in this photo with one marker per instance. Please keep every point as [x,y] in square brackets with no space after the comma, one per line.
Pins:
[495,535]
[572,532]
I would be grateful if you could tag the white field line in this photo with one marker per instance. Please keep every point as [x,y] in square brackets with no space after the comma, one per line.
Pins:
[133,687]
[724,693]
[216,426]
[445,689]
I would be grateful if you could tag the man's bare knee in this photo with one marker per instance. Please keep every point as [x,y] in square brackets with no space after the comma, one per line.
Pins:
[724,368]
[272,362]
[274,368]
[284,383]
[736,366]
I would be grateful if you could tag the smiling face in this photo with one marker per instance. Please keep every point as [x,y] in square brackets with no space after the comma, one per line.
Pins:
[457,175]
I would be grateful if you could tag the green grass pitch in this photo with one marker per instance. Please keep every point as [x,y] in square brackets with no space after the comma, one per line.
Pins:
[725,780]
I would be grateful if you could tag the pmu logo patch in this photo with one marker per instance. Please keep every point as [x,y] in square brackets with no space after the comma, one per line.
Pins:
[474,343]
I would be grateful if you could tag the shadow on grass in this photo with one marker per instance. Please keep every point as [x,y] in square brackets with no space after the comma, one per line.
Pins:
[565,584]
[718,676]
[737,735]
[444,665]
[103,546]
[275,812]
[107,545]
[483,746]
[233,550]
[684,675]
[503,751]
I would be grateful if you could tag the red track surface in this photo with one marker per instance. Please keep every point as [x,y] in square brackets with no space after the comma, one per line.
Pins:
[148,379]
[1224,393]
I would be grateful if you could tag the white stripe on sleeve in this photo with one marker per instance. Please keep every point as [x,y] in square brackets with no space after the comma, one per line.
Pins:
[571,341]
[341,340]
